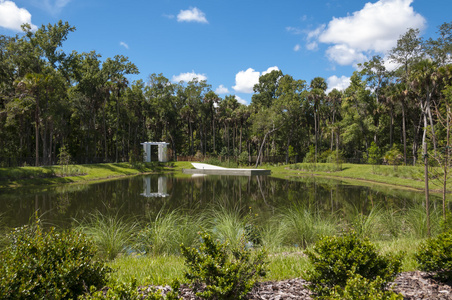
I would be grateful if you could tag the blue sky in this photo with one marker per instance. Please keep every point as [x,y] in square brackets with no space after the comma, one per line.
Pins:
[230,43]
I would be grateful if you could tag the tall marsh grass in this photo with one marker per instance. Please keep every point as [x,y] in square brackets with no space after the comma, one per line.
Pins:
[228,224]
[164,233]
[111,234]
[302,226]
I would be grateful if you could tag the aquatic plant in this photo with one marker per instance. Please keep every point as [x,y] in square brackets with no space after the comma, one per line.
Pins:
[111,234]
[302,225]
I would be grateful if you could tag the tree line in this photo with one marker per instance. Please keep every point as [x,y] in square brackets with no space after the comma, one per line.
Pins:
[79,102]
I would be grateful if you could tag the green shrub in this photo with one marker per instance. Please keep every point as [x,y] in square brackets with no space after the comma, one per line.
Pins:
[243,158]
[48,265]
[215,272]
[310,156]
[358,287]
[130,291]
[435,255]
[336,259]
[393,156]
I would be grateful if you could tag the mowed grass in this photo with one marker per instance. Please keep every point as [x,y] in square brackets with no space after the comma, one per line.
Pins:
[283,263]
[408,177]
[58,174]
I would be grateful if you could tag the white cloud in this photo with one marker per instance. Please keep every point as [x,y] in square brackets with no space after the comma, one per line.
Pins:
[297,48]
[221,90]
[344,55]
[240,100]
[51,6]
[338,83]
[192,15]
[374,29]
[294,30]
[12,17]
[124,45]
[169,16]
[275,68]
[245,80]
[312,46]
[316,32]
[186,77]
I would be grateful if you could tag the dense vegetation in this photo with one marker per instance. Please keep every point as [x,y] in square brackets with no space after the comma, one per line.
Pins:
[84,106]
[38,263]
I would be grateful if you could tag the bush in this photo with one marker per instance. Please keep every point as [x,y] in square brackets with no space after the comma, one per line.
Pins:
[310,156]
[358,287]
[214,272]
[130,291]
[393,156]
[243,158]
[336,259]
[48,265]
[435,255]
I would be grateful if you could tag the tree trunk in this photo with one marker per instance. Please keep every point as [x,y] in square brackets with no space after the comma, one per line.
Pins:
[404,133]
[427,200]
[262,145]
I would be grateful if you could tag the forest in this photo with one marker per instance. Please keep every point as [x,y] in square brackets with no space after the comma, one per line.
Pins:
[80,103]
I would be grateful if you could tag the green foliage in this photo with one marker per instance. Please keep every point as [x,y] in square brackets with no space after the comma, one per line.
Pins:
[243,158]
[393,156]
[320,167]
[310,156]
[111,234]
[336,259]
[374,154]
[136,158]
[301,226]
[199,156]
[64,157]
[435,255]
[166,231]
[48,265]
[130,291]
[215,272]
[358,287]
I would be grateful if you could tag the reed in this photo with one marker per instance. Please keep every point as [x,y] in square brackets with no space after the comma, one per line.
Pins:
[111,234]
[302,226]
[228,224]
[414,221]
[372,225]
[164,233]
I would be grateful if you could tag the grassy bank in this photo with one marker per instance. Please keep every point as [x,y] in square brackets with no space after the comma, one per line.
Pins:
[406,177]
[26,176]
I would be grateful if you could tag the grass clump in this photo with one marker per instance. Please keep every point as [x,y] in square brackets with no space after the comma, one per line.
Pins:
[49,265]
[216,271]
[335,260]
[301,226]
[229,225]
[164,233]
[112,234]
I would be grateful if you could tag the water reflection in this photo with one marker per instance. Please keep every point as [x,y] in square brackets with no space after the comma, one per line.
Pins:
[161,187]
[143,196]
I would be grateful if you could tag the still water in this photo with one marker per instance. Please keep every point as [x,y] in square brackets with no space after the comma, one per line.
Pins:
[141,196]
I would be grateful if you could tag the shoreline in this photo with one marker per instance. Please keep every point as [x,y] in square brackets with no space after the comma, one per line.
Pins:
[111,171]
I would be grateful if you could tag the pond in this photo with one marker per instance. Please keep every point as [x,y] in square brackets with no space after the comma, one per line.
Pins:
[143,196]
